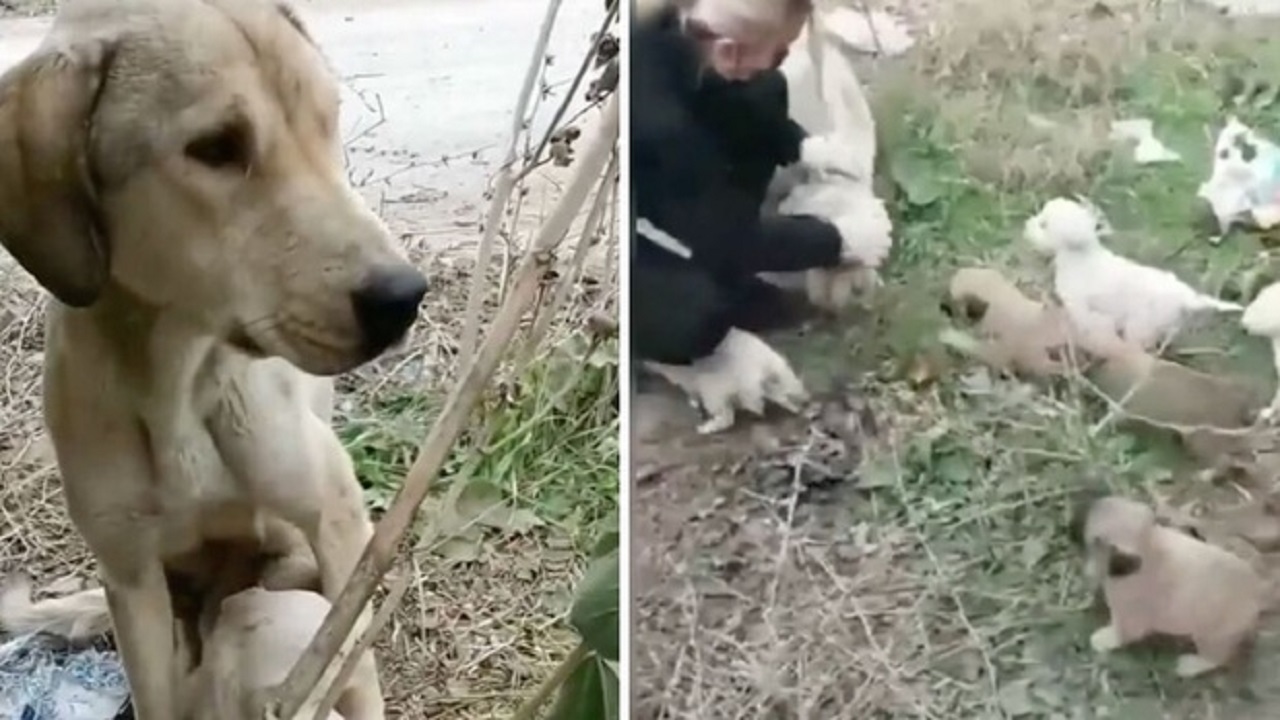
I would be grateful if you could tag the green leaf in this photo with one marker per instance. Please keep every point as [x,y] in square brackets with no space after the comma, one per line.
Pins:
[609,538]
[595,609]
[917,177]
[590,693]
[475,502]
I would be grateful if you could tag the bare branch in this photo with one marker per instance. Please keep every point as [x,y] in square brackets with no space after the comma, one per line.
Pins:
[502,190]
[590,227]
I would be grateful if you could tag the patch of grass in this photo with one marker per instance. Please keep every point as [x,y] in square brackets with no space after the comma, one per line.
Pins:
[548,438]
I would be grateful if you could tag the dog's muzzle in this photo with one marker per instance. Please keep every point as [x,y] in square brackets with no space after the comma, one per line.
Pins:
[386,305]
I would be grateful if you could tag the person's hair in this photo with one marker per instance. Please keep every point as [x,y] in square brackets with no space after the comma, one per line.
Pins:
[729,16]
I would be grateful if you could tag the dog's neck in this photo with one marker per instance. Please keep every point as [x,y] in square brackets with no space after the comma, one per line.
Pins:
[155,350]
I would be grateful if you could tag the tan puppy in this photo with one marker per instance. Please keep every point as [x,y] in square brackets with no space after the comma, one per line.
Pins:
[258,636]
[173,175]
[1018,334]
[1159,580]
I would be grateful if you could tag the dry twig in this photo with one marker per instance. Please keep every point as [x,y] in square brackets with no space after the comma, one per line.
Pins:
[502,190]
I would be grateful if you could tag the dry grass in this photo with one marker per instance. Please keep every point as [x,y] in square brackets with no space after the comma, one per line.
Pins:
[937,579]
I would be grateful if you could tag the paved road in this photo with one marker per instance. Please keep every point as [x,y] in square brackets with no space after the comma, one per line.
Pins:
[445,74]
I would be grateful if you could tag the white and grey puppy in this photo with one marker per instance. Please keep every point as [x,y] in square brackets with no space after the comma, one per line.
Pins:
[1158,580]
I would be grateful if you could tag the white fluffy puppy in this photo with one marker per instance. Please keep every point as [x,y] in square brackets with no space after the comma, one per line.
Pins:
[831,183]
[833,178]
[1262,318]
[743,372]
[1104,292]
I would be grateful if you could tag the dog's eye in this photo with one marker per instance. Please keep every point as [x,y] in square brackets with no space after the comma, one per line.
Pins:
[224,148]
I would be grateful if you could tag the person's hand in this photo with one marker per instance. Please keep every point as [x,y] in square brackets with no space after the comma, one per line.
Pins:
[743,373]
[832,288]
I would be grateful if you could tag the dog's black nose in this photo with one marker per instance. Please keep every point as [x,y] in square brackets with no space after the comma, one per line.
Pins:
[387,304]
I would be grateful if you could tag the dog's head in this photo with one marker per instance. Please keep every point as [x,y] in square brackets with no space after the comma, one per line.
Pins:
[187,155]
[1116,535]
[1064,225]
[973,290]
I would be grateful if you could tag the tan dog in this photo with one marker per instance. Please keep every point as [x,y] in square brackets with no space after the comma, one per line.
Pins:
[1161,391]
[172,173]
[1159,580]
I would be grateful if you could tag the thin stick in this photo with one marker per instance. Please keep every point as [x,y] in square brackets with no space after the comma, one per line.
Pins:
[380,551]
[380,619]
[587,61]
[529,709]
[502,191]
[590,227]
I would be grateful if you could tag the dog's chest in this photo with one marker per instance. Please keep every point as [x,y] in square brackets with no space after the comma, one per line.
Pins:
[244,431]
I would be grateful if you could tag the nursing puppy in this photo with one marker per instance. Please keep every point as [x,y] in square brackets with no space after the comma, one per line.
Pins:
[1157,580]
[257,636]
[245,626]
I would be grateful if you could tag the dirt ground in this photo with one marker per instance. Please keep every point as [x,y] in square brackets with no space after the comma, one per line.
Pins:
[902,550]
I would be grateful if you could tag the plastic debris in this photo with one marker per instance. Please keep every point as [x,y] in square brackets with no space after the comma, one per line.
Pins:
[42,679]
[1244,188]
[1148,149]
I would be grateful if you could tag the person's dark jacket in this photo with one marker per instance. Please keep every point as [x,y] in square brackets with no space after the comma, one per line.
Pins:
[703,151]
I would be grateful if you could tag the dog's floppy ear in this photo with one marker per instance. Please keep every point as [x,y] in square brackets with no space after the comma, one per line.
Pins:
[1122,564]
[48,211]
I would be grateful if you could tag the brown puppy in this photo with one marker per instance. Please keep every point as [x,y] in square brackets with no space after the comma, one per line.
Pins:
[1018,334]
[1157,580]
[1161,391]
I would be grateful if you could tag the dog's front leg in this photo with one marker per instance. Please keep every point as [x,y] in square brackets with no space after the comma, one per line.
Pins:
[337,528]
[338,544]
[142,614]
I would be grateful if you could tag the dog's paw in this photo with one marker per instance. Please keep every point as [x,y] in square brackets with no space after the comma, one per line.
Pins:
[1104,640]
[1190,666]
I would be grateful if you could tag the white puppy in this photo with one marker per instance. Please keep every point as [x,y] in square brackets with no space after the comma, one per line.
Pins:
[743,372]
[833,184]
[1104,292]
[833,178]
[1262,318]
